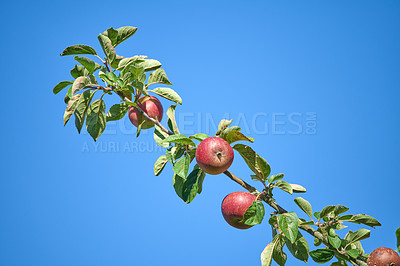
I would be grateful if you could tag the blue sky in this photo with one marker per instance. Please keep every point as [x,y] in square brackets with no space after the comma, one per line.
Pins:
[315,83]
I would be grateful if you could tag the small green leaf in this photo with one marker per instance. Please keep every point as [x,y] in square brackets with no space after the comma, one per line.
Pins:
[117,111]
[317,242]
[353,253]
[322,255]
[289,223]
[81,109]
[119,35]
[96,119]
[357,235]
[225,132]
[334,241]
[158,76]
[398,238]
[364,219]
[298,189]
[223,124]
[78,49]
[60,86]
[160,164]
[179,138]
[177,182]
[89,64]
[304,205]
[274,178]
[285,186]
[266,255]
[149,64]
[254,214]
[193,184]
[345,217]
[107,47]
[317,215]
[325,211]
[181,167]
[169,94]
[339,209]
[79,84]
[278,255]
[299,248]
[159,136]
[171,119]
[79,71]
[199,136]
[72,104]
[68,95]
[234,136]
[259,166]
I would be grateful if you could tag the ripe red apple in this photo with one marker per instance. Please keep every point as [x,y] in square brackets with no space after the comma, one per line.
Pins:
[214,155]
[234,206]
[152,106]
[384,257]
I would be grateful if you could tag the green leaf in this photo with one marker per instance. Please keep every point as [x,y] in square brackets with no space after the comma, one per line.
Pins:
[139,128]
[72,104]
[171,119]
[96,119]
[199,136]
[339,209]
[107,47]
[357,235]
[111,76]
[225,132]
[149,64]
[181,167]
[89,64]
[274,178]
[79,71]
[285,186]
[60,86]
[345,217]
[160,136]
[169,94]
[81,109]
[158,76]
[266,255]
[78,49]
[364,219]
[104,77]
[277,254]
[353,253]
[300,248]
[179,138]
[398,238]
[234,136]
[256,163]
[298,189]
[193,184]
[223,124]
[117,111]
[119,35]
[317,215]
[68,96]
[322,255]
[79,84]
[304,205]
[160,164]
[334,241]
[289,224]
[254,214]
[177,182]
[174,153]
[325,211]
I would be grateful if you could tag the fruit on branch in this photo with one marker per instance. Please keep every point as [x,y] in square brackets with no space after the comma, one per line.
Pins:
[384,257]
[234,206]
[214,155]
[149,104]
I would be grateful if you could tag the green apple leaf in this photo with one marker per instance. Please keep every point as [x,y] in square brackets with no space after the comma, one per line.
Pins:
[96,119]
[254,214]
[119,35]
[225,132]
[79,71]
[81,109]
[171,119]
[256,163]
[364,219]
[199,136]
[398,239]
[274,178]
[181,167]
[289,224]
[88,63]
[326,210]
[339,209]
[107,47]
[285,186]
[300,248]
[149,64]
[266,255]
[78,49]
[160,136]
[72,104]
[117,111]
[160,164]
[277,254]
[298,189]
[179,138]
[234,136]
[334,241]
[68,95]
[193,184]
[79,84]
[322,255]
[169,94]
[223,124]
[61,85]
[304,205]
[158,76]
[358,235]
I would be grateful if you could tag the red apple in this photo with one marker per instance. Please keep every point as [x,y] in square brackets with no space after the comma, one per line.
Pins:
[152,106]
[214,155]
[234,206]
[384,257]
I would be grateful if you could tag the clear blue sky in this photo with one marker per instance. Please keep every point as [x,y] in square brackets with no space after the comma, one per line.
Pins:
[316,83]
